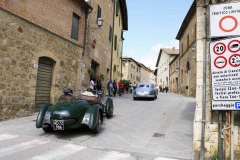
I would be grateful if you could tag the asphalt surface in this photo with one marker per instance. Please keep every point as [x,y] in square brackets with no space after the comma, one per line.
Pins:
[139,130]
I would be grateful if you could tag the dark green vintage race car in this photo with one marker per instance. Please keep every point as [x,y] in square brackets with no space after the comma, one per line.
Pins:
[73,111]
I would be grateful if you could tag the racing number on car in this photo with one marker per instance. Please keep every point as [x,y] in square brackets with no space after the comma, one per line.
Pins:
[58,125]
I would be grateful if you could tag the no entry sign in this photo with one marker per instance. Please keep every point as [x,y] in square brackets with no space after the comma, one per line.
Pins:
[225,72]
[225,19]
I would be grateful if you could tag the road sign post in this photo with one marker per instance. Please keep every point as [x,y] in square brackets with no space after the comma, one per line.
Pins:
[225,20]
[225,72]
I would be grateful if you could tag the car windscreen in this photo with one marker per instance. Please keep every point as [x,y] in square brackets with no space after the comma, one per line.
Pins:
[143,86]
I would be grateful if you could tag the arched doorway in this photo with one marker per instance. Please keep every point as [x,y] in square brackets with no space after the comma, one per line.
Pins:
[44,81]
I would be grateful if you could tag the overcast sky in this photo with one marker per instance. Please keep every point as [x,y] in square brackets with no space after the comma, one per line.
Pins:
[152,25]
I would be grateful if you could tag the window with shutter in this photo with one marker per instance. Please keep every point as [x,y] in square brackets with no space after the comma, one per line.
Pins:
[110,33]
[99,13]
[117,8]
[115,43]
[75,26]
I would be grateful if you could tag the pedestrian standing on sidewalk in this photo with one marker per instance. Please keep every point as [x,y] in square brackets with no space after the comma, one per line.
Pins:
[114,88]
[91,84]
[120,87]
[110,88]
[166,89]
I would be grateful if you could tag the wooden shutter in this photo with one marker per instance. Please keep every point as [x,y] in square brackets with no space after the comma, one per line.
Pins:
[44,80]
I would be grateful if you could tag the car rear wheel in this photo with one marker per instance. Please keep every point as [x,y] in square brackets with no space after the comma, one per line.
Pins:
[96,129]
[47,129]
[110,111]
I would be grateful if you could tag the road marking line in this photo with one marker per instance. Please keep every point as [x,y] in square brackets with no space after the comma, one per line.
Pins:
[59,153]
[7,137]
[115,155]
[161,158]
[22,146]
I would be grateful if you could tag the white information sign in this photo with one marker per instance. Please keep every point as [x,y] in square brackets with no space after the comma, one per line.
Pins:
[225,72]
[225,19]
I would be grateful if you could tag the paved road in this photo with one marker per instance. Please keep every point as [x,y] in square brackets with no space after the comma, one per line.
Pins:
[140,130]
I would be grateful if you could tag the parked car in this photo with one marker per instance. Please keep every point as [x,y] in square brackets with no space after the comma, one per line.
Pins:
[73,110]
[157,89]
[145,90]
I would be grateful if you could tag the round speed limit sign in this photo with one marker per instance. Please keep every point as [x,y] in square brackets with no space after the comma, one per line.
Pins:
[219,48]
[234,60]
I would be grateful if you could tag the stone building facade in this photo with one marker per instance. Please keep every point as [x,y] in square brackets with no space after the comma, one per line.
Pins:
[39,55]
[174,74]
[208,142]
[146,74]
[187,54]
[136,72]
[131,70]
[165,56]
[120,25]
[97,54]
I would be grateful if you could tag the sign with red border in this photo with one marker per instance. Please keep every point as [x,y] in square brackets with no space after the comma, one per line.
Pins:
[224,19]
[228,28]
[225,74]
[234,60]
[234,46]
[220,62]
[219,48]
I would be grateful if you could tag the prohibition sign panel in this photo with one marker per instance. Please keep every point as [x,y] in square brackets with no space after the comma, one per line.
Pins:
[234,46]
[219,48]
[234,60]
[225,26]
[220,62]
[224,19]
[225,74]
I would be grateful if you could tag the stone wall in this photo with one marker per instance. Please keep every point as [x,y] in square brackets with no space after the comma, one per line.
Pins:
[55,16]
[21,45]
[187,76]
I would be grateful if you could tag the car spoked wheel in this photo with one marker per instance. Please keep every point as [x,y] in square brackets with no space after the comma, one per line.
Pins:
[109,114]
[97,127]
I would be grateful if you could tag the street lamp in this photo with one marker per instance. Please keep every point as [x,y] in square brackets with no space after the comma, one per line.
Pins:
[100,22]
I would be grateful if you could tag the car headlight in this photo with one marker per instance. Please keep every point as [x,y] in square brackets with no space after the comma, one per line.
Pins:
[151,92]
[86,118]
[47,116]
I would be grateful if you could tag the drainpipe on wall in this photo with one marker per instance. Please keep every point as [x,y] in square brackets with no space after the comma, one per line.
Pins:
[111,63]
[202,151]
[85,30]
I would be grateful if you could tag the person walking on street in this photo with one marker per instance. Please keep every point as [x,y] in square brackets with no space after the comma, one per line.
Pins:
[114,88]
[120,87]
[160,88]
[166,89]
[110,87]
[91,84]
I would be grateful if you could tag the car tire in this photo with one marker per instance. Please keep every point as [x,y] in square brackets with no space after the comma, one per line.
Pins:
[96,129]
[48,129]
[110,112]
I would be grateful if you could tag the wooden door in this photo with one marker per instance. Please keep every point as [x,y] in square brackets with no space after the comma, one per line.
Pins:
[44,81]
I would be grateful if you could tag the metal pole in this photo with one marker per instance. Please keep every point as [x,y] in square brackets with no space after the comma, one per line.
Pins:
[220,140]
[202,150]
[232,136]
[113,32]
